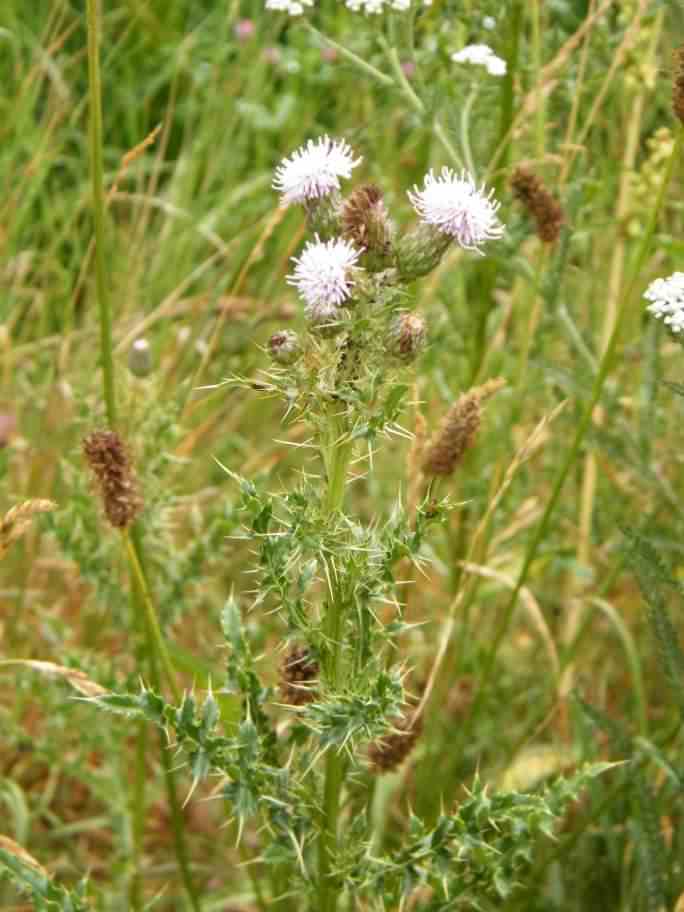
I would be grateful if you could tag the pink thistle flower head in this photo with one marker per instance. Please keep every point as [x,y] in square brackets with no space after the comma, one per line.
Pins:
[458,208]
[667,300]
[314,170]
[323,276]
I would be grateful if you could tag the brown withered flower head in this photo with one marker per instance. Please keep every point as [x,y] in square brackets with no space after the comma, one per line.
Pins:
[458,430]
[365,221]
[108,459]
[298,676]
[540,204]
[388,752]
[678,84]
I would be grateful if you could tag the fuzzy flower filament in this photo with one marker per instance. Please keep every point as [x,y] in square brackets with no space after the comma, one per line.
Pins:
[455,206]
[323,276]
[314,170]
[667,300]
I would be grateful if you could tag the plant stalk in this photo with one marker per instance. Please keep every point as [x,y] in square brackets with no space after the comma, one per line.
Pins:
[336,455]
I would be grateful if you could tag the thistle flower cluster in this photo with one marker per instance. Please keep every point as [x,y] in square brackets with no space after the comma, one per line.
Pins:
[361,240]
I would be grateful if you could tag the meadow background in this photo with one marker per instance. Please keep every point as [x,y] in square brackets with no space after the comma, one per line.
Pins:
[201,100]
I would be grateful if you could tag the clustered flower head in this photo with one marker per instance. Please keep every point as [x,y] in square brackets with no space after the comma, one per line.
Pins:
[314,170]
[323,276]
[293,7]
[667,300]
[455,206]
[481,55]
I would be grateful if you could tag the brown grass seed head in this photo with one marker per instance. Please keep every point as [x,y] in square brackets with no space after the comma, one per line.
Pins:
[108,459]
[541,205]
[298,672]
[390,751]
[678,84]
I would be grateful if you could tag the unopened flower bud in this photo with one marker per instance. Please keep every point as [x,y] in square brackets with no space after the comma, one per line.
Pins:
[284,347]
[420,250]
[140,358]
[406,336]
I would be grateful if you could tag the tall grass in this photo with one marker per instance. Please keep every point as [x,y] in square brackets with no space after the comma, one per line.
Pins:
[532,647]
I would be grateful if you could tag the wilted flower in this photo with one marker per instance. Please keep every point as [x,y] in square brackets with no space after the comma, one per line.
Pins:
[293,7]
[323,277]
[284,347]
[406,336]
[667,300]
[456,207]
[481,55]
[314,170]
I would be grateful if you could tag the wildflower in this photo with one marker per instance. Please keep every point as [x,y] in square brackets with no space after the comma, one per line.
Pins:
[390,751]
[456,207]
[314,170]
[481,55]
[541,205]
[667,300]
[298,676]
[374,7]
[406,336]
[107,457]
[244,29]
[458,430]
[322,276]
[293,7]
[284,347]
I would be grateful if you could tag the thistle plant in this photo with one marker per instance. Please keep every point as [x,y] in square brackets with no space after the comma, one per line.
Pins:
[298,766]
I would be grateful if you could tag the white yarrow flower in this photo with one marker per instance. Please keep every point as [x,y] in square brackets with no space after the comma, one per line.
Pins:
[456,207]
[374,7]
[314,170]
[323,276]
[481,55]
[293,7]
[667,300]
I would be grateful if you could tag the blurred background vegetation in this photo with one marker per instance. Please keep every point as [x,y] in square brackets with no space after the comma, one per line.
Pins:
[201,100]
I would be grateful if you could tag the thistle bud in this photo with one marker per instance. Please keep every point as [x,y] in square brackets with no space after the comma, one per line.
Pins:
[420,250]
[366,224]
[298,676]
[458,430]
[388,752]
[678,85]
[323,215]
[140,358]
[106,455]
[547,212]
[284,347]
[406,336]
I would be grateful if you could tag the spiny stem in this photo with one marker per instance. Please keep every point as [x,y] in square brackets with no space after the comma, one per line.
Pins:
[336,453]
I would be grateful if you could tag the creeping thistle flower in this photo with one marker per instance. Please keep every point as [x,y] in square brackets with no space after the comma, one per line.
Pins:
[456,207]
[314,170]
[323,277]
[293,7]
[481,55]
[667,300]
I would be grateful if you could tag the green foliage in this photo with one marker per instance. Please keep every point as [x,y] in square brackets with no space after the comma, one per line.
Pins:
[45,894]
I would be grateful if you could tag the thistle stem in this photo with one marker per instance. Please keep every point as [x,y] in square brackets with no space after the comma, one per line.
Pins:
[336,455]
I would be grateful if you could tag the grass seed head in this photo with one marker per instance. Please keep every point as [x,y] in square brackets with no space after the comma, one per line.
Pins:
[298,676]
[678,84]
[390,751]
[541,205]
[108,459]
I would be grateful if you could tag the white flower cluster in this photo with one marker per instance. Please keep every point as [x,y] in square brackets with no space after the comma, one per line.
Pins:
[324,272]
[293,7]
[481,55]
[667,300]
